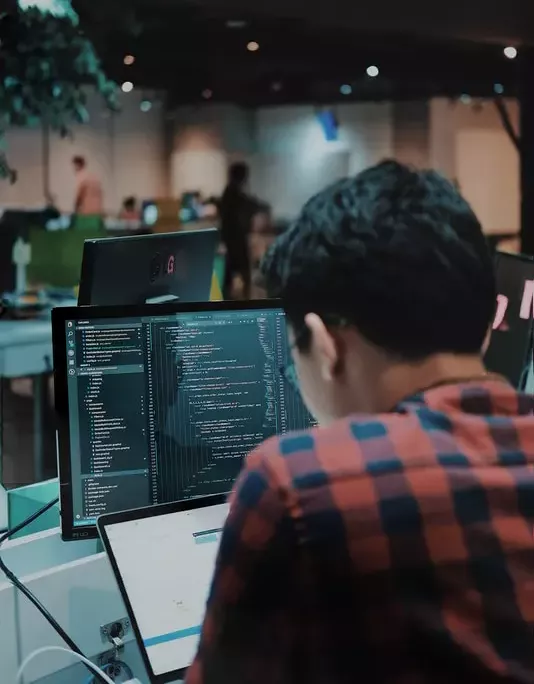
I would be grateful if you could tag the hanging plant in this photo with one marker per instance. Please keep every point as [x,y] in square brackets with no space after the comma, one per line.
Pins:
[47,66]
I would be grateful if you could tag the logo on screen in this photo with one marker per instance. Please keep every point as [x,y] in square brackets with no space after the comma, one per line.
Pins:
[526,310]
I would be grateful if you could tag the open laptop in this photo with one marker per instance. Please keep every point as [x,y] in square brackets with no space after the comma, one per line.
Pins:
[163,558]
[148,269]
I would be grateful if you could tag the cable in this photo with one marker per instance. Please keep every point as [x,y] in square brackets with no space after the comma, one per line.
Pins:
[101,675]
[28,594]
[91,677]
[10,533]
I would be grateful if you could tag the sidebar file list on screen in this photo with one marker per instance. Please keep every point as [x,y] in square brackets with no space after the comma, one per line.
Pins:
[166,564]
[108,421]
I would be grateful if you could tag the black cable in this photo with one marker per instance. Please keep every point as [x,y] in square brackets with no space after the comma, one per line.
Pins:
[28,594]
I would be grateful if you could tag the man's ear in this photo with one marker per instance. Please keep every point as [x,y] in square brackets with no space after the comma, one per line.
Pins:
[323,346]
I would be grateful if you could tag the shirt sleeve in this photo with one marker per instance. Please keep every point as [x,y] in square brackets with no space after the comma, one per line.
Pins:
[244,637]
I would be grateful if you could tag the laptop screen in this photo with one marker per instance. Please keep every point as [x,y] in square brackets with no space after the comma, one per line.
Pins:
[164,565]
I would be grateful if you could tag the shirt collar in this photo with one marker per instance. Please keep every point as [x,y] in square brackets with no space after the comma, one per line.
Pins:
[483,397]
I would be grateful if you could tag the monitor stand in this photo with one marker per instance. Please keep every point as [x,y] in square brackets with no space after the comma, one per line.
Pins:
[162,299]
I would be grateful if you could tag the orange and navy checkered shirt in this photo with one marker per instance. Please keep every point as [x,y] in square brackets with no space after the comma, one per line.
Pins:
[387,549]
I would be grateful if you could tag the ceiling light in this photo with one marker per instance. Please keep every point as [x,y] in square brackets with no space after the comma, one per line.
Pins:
[129,60]
[236,24]
[510,52]
[127,87]
[373,71]
[253,46]
[145,106]
[498,88]
[207,94]
[346,89]
[465,99]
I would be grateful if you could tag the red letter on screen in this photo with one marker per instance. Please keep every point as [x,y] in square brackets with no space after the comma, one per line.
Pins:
[502,305]
[527,305]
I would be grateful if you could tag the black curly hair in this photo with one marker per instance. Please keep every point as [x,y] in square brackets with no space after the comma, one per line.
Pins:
[395,252]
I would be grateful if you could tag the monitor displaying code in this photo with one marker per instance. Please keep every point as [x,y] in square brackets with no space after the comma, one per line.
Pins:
[165,408]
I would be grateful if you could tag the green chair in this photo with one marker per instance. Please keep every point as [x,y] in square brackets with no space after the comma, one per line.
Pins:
[57,255]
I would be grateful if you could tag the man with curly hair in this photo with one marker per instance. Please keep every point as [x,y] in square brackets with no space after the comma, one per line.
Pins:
[393,544]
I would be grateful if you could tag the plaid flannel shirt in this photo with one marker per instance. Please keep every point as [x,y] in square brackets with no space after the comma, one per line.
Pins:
[395,548]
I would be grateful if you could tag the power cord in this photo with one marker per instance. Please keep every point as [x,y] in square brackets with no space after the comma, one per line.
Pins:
[34,600]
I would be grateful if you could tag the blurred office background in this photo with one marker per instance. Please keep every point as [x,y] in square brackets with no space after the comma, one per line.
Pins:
[303,95]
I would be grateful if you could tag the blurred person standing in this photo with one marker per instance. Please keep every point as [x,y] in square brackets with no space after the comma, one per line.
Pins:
[89,196]
[236,210]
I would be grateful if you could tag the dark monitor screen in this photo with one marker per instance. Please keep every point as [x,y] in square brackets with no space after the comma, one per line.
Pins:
[510,349]
[162,402]
[139,269]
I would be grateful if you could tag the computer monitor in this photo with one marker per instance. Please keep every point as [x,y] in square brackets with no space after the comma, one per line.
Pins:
[140,269]
[510,349]
[161,402]
[163,558]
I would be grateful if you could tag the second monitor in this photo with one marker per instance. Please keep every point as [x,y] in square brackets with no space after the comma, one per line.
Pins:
[141,269]
[162,403]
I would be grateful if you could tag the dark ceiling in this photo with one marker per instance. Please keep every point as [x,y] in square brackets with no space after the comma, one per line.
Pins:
[476,20]
[309,50]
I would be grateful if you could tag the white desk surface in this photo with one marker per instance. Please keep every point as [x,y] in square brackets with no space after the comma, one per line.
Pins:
[25,347]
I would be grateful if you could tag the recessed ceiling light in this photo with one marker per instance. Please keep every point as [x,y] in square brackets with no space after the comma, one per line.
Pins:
[346,89]
[373,71]
[145,106]
[236,24]
[253,46]
[207,94]
[498,88]
[465,99]
[127,87]
[510,52]
[129,60]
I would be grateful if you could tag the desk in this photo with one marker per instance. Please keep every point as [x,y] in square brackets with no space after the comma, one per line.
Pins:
[26,350]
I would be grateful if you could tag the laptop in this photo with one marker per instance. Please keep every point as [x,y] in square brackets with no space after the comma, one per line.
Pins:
[148,269]
[163,558]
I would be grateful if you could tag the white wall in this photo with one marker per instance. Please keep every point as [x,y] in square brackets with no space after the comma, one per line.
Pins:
[126,150]
[289,157]
[469,143]
[285,147]
[293,160]
[206,139]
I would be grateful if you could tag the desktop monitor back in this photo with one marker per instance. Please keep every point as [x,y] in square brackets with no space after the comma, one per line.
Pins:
[143,269]
[510,349]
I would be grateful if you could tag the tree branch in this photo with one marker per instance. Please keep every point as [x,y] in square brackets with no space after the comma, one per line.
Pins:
[507,122]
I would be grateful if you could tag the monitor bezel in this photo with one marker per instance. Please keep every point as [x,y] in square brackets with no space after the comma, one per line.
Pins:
[528,359]
[140,514]
[60,317]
